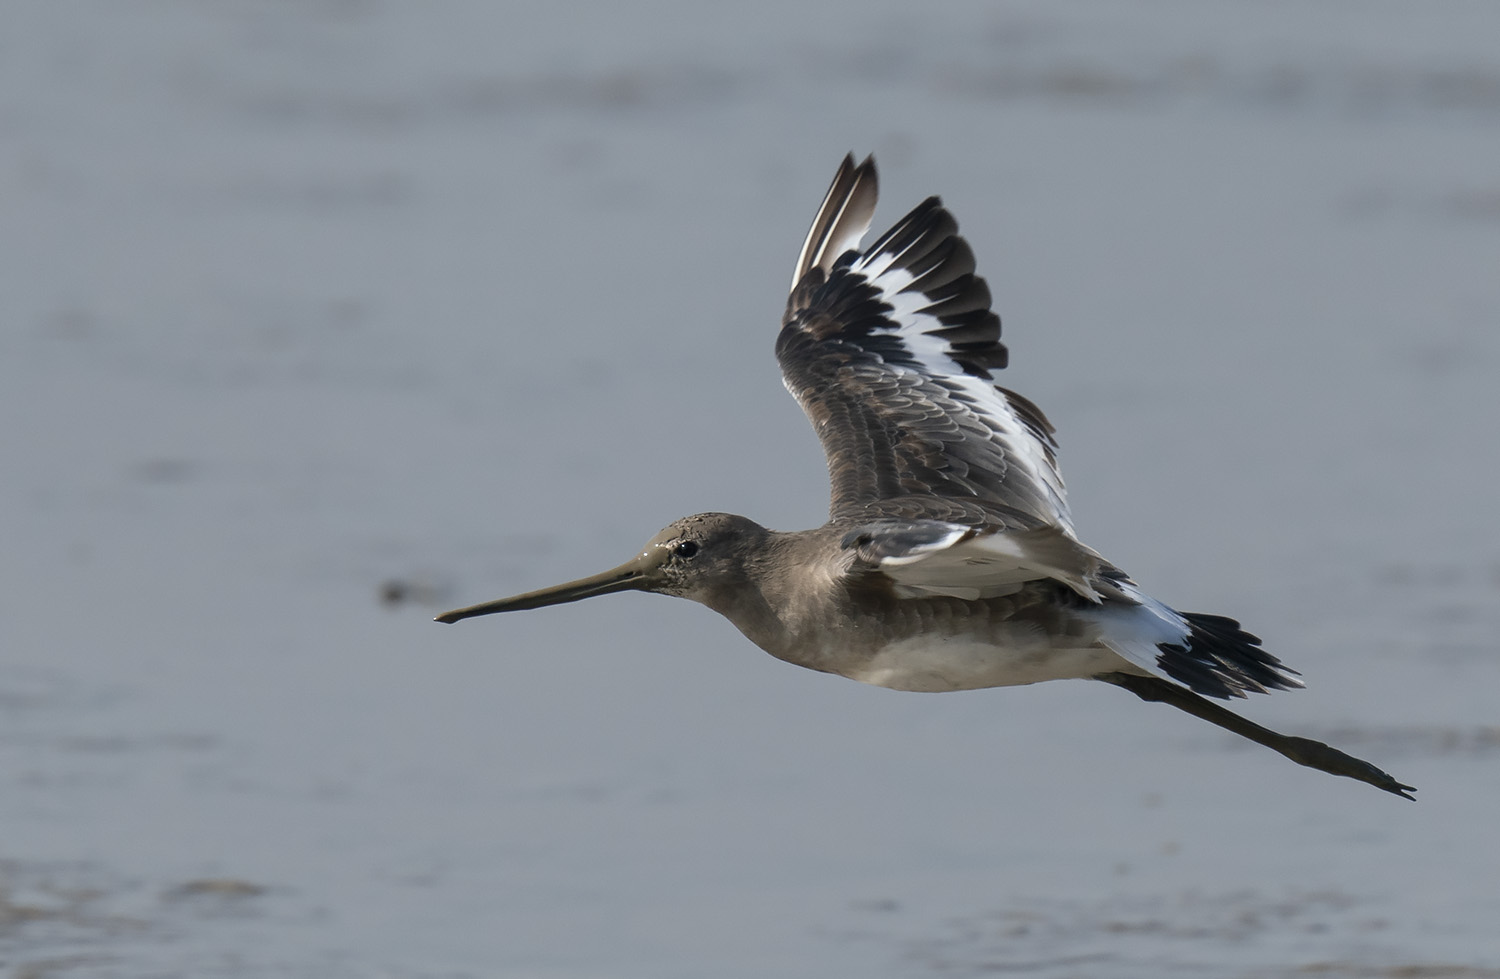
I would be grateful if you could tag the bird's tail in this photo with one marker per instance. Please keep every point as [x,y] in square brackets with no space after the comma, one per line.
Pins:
[1219,659]
[1208,654]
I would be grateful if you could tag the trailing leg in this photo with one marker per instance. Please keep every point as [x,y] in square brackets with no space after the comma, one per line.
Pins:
[1303,751]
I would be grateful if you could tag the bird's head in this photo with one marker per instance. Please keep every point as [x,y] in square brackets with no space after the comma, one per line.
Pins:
[704,557]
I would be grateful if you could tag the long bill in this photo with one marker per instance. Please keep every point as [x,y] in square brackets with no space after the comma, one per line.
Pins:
[633,575]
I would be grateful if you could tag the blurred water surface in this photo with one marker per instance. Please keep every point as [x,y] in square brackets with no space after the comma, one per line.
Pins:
[316,318]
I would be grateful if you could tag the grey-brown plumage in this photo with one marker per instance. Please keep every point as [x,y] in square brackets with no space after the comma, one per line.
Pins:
[949,561]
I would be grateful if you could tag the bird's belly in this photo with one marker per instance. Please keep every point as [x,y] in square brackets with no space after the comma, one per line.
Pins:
[932,664]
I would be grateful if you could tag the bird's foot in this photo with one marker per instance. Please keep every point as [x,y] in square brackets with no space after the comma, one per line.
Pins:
[1316,754]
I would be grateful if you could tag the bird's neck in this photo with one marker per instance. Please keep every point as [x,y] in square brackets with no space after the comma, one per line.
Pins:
[787,595]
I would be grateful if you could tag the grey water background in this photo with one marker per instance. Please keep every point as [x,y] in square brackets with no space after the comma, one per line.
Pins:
[317,318]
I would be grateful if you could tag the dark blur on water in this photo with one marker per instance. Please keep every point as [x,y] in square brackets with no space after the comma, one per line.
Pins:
[317,318]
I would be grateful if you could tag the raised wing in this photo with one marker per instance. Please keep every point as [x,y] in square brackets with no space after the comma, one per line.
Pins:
[889,352]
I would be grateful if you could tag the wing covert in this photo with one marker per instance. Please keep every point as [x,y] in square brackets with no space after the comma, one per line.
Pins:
[923,558]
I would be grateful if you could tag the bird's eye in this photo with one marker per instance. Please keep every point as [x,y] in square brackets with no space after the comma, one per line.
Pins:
[687,548]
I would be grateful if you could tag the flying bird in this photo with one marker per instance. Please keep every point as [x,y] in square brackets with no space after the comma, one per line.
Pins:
[949,560]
